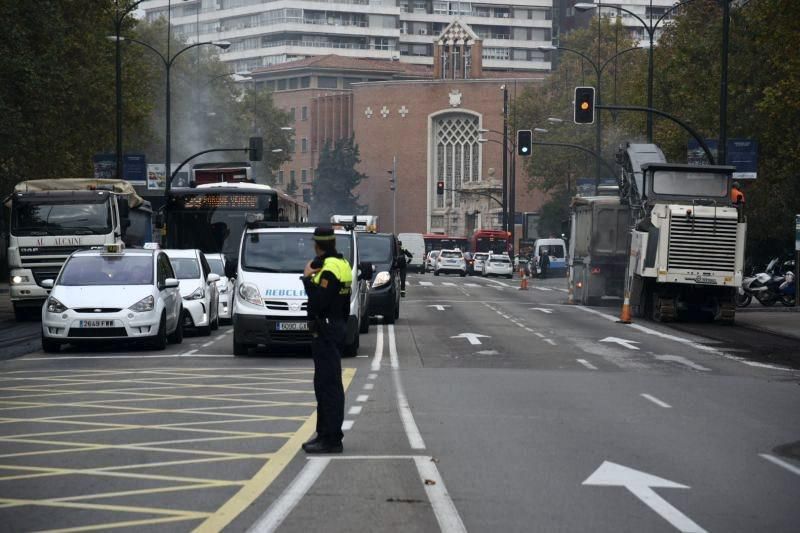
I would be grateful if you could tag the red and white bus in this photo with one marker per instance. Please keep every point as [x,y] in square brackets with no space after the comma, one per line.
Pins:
[490,240]
[438,241]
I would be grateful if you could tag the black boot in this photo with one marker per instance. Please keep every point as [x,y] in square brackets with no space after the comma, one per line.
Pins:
[321,446]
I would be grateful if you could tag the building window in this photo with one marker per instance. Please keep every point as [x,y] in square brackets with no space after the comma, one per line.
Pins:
[457,155]
[293,83]
[293,147]
[303,176]
[293,114]
[304,145]
[280,177]
[327,82]
[291,176]
[307,196]
[305,82]
[304,113]
[281,85]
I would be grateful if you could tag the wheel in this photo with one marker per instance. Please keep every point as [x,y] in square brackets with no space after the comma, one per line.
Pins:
[176,337]
[767,301]
[743,300]
[351,350]
[435,272]
[50,346]
[787,301]
[397,312]
[462,274]
[389,316]
[363,326]
[510,276]
[159,342]
[240,348]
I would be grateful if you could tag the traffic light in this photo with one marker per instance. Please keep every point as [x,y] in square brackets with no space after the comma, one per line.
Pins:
[584,105]
[524,142]
[440,188]
[256,149]
[391,180]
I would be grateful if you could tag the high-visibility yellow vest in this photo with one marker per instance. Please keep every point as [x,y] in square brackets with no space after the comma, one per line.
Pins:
[340,269]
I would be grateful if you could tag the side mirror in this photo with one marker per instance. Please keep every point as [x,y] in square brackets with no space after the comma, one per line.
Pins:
[48,283]
[213,278]
[171,283]
[366,270]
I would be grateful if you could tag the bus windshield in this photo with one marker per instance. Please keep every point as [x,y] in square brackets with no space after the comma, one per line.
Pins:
[286,252]
[690,184]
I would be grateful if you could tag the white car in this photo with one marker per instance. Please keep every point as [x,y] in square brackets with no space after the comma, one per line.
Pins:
[498,265]
[198,289]
[113,294]
[479,258]
[218,263]
[430,261]
[450,261]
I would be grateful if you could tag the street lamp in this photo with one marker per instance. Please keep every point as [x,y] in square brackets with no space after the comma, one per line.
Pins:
[598,70]
[168,63]
[119,17]
[555,120]
[540,130]
[651,31]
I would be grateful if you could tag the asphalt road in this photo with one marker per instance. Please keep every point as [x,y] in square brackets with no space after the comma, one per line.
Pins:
[484,408]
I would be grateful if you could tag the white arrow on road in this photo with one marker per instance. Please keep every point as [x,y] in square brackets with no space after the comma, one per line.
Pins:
[622,342]
[542,309]
[641,485]
[439,307]
[471,337]
[683,361]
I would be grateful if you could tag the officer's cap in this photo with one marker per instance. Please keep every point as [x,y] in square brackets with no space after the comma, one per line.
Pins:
[324,234]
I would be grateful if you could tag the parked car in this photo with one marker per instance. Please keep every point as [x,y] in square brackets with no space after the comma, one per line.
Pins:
[113,294]
[498,265]
[198,287]
[450,261]
[430,261]
[225,285]
[477,262]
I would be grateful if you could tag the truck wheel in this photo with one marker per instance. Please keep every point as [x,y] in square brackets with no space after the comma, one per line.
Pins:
[50,346]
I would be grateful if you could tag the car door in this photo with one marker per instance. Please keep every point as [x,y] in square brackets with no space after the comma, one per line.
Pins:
[211,288]
[170,295]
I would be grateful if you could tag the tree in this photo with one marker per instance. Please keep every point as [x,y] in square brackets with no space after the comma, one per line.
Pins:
[337,177]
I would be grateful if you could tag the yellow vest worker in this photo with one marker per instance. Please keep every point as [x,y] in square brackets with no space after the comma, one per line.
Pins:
[327,280]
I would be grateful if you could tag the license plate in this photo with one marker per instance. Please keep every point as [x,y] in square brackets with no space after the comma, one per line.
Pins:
[97,323]
[292,326]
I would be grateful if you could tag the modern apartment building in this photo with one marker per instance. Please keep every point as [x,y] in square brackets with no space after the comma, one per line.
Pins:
[649,11]
[270,32]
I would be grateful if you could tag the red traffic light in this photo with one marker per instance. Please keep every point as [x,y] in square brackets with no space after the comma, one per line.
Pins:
[439,187]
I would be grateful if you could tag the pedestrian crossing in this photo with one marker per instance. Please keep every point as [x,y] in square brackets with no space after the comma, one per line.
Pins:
[499,285]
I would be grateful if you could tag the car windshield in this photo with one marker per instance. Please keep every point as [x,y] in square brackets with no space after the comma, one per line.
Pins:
[60,218]
[90,270]
[452,255]
[553,250]
[185,267]
[286,252]
[690,184]
[375,249]
[217,266]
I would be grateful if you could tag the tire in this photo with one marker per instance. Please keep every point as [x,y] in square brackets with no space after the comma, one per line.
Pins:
[397,311]
[787,301]
[462,274]
[50,346]
[768,302]
[176,337]
[363,325]
[240,349]
[510,276]
[743,300]
[159,342]
[389,316]
[435,272]
[351,350]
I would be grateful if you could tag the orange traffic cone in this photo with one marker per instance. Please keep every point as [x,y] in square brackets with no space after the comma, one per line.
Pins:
[523,282]
[625,315]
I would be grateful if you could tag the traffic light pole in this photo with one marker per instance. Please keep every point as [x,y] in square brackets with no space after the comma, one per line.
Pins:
[505,157]
[394,195]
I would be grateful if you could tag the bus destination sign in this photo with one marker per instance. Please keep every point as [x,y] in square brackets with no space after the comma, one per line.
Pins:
[221,201]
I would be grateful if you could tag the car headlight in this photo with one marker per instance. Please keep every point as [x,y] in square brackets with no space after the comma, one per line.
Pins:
[249,293]
[54,306]
[382,279]
[20,279]
[145,304]
[198,294]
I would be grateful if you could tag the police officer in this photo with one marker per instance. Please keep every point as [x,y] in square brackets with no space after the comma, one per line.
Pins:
[327,280]
[403,257]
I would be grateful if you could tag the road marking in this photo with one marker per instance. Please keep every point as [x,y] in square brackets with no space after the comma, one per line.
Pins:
[641,485]
[656,401]
[562,290]
[543,289]
[355,410]
[443,506]
[376,361]
[471,337]
[540,335]
[487,352]
[543,310]
[274,516]
[364,356]
[682,360]
[406,416]
[440,307]
[471,285]
[448,284]
[190,352]
[393,349]
[550,341]
[362,397]
[622,342]
[207,344]
[528,329]
[780,462]
[372,376]
[369,386]
[425,284]
[347,425]
[587,364]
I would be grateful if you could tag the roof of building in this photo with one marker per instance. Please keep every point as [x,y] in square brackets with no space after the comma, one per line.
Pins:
[336,62]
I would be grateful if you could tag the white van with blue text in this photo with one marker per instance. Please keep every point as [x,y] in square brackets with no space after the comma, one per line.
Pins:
[270,304]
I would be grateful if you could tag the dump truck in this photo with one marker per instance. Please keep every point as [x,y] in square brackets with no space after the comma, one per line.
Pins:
[51,218]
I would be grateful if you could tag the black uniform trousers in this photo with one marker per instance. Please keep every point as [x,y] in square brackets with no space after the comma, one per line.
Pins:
[403,270]
[328,389]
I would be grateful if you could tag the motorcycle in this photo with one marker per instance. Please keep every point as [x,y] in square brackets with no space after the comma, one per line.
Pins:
[787,290]
[770,286]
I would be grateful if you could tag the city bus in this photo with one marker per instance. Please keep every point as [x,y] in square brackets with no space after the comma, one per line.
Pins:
[211,217]
[364,223]
[437,241]
[490,240]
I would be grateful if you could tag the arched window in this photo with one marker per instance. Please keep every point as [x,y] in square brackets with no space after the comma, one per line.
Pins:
[457,152]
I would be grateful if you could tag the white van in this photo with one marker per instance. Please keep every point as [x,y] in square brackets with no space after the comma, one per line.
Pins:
[270,304]
[414,243]
[556,250]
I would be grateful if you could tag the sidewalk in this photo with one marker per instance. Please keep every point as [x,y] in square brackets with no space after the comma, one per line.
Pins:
[783,321]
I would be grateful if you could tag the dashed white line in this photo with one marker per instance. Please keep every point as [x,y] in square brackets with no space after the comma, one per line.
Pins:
[550,341]
[207,344]
[369,386]
[355,410]
[372,376]
[780,462]
[540,335]
[656,401]
[347,425]
[426,284]
[272,519]
[362,397]
[543,289]
[376,361]
[587,364]
[528,329]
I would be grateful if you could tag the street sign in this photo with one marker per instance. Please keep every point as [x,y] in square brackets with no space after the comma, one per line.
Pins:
[134,168]
[156,176]
[742,154]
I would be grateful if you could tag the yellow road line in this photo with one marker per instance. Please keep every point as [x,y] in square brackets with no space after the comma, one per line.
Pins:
[43,471]
[129,523]
[106,507]
[268,473]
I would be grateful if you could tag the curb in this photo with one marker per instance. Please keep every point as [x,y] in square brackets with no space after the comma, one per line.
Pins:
[768,331]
